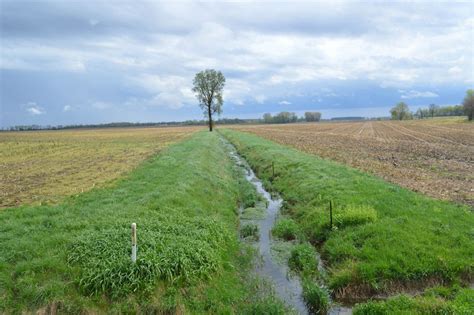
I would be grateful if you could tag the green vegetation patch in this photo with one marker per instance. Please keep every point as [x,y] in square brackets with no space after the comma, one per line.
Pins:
[254,213]
[316,297]
[75,256]
[303,258]
[286,229]
[458,301]
[182,250]
[250,231]
[354,215]
[387,238]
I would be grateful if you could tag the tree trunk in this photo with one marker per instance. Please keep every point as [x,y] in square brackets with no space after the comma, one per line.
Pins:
[210,117]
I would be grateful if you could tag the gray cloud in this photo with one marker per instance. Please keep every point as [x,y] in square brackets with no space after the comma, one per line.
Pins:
[100,56]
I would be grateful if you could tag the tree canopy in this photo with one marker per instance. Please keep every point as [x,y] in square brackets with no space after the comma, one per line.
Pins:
[280,118]
[208,88]
[312,116]
[468,104]
[400,112]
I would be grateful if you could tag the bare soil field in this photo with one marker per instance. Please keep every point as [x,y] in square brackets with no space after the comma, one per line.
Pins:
[45,166]
[435,156]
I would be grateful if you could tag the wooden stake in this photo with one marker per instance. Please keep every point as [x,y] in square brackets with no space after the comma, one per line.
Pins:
[330,213]
[134,242]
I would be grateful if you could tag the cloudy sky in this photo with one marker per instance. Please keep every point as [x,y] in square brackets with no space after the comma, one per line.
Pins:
[65,62]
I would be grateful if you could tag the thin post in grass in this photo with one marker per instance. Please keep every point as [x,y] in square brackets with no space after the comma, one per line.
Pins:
[330,213]
[134,242]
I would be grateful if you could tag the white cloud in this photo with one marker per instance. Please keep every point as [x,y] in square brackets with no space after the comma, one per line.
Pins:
[93,22]
[284,103]
[417,94]
[169,91]
[151,51]
[101,105]
[33,109]
[260,98]
[67,108]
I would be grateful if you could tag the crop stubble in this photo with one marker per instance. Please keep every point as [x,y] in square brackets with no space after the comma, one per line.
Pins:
[45,166]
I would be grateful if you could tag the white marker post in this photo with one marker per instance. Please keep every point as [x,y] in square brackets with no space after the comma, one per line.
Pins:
[134,242]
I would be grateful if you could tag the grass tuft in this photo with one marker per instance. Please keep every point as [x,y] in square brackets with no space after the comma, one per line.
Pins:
[437,300]
[250,231]
[286,229]
[316,297]
[303,258]
[354,215]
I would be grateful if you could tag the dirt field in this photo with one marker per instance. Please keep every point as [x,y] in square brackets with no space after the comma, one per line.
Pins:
[435,157]
[45,166]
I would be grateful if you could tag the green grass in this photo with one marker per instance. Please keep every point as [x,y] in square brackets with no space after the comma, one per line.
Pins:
[286,229]
[433,301]
[385,239]
[250,231]
[316,297]
[303,258]
[74,256]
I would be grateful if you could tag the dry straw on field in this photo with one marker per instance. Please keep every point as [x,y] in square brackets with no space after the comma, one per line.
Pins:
[45,166]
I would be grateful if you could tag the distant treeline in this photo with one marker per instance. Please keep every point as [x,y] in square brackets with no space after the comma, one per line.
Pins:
[439,111]
[290,117]
[223,121]
[402,112]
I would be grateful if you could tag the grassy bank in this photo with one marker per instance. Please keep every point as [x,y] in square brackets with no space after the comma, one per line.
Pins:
[437,300]
[384,239]
[74,257]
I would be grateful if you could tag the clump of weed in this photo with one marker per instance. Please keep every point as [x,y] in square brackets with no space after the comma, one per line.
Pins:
[175,251]
[316,297]
[248,195]
[250,230]
[404,305]
[286,229]
[437,300]
[354,215]
[253,213]
[264,305]
[303,258]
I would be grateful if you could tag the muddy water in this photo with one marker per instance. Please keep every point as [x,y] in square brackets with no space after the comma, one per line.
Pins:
[287,287]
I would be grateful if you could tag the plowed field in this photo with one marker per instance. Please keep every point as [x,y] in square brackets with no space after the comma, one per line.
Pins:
[435,157]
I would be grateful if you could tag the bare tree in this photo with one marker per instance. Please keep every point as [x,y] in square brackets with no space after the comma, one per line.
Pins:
[432,109]
[208,87]
[312,116]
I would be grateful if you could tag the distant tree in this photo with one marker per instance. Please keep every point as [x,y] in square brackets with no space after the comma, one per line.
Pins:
[280,118]
[312,116]
[285,117]
[267,118]
[468,104]
[208,87]
[419,113]
[432,109]
[400,112]
[450,110]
